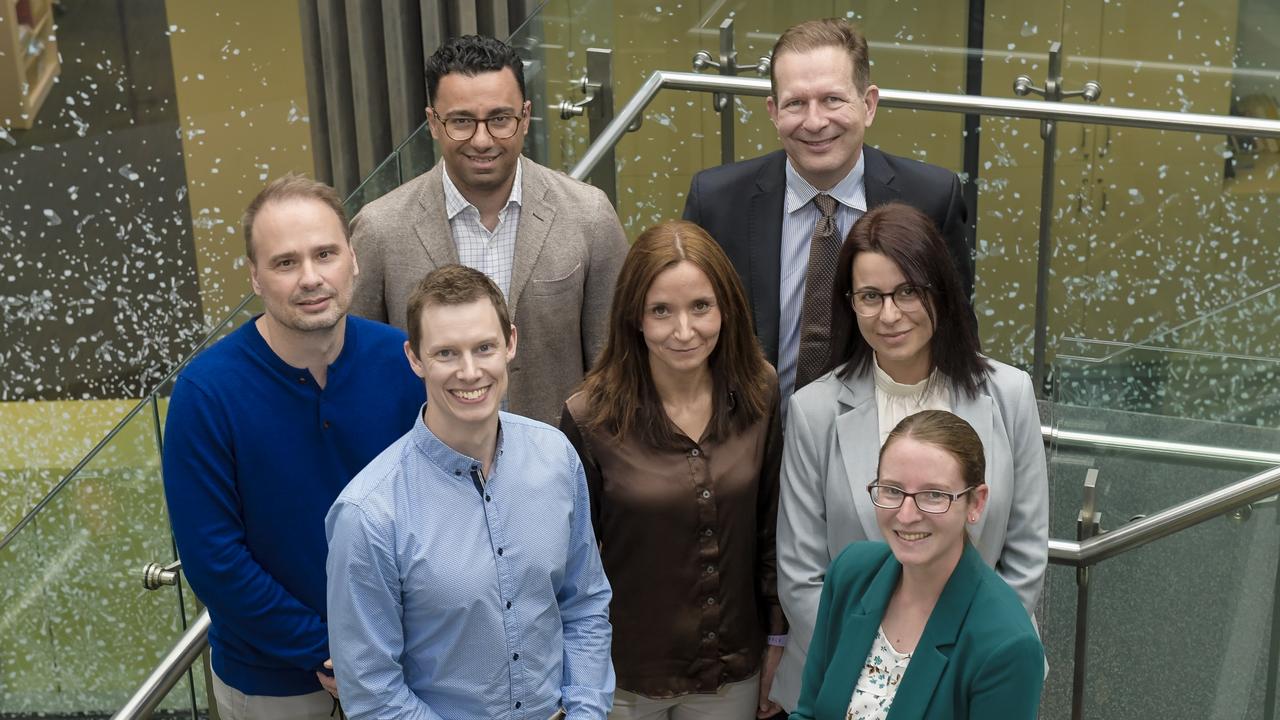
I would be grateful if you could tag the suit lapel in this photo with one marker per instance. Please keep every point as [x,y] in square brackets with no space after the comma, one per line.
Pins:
[858,436]
[933,652]
[764,238]
[536,216]
[980,414]
[877,179]
[432,226]
[860,626]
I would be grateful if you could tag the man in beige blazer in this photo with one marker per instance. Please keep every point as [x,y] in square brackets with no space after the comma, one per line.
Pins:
[552,244]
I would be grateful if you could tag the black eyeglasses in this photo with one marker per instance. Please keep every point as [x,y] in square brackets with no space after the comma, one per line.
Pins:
[500,127]
[869,303]
[934,502]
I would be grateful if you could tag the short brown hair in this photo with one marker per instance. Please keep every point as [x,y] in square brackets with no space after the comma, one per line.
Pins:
[949,433]
[621,396]
[291,187]
[454,285]
[829,32]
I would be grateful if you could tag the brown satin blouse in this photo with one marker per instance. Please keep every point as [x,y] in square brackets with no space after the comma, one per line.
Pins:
[687,539]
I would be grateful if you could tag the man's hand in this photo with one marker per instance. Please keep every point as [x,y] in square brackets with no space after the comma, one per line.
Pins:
[330,683]
[767,707]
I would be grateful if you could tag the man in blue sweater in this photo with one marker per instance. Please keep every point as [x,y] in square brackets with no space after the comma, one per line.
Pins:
[264,431]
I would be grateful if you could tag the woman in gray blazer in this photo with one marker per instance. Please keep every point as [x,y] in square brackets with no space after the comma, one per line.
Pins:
[903,341]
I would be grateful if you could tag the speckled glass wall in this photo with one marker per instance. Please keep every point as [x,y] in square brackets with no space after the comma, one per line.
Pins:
[118,228]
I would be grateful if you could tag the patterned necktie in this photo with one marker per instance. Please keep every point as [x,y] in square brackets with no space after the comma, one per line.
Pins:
[815,313]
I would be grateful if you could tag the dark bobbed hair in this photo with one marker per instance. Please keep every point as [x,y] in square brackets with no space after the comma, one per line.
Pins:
[471,55]
[949,433]
[291,186]
[911,240]
[622,400]
[453,285]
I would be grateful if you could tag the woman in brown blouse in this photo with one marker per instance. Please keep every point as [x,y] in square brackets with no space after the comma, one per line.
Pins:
[677,427]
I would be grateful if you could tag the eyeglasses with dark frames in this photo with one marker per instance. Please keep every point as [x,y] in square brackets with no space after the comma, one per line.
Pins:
[499,127]
[934,502]
[869,303]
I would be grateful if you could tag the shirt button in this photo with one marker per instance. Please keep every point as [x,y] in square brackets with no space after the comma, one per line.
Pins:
[517,704]
[711,635]
[711,601]
[499,552]
[302,380]
[711,569]
[695,452]
[326,424]
[707,532]
[508,604]
[706,494]
[487,498]
[515,656]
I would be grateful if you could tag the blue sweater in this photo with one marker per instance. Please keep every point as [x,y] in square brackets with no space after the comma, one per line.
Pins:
[255,453]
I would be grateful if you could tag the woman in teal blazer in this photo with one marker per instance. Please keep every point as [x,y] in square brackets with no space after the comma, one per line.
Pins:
[963,644]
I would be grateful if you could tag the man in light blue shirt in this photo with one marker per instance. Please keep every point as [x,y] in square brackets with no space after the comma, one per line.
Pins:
[463,575]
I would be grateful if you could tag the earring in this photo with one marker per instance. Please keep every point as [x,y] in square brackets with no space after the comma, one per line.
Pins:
[973,518]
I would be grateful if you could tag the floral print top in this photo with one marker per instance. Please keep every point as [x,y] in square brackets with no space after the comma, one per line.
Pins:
[878,682]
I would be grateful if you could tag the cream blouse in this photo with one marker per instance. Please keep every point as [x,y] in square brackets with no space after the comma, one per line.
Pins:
[895,401]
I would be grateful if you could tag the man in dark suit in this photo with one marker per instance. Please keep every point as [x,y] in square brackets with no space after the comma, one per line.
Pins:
[774,214]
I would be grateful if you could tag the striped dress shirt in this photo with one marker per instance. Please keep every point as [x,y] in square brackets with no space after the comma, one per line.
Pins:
[799,215]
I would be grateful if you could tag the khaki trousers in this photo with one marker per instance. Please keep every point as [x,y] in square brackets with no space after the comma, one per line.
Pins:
[735,701]
[235,705]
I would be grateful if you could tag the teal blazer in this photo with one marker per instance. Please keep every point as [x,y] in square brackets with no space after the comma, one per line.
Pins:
[979,656]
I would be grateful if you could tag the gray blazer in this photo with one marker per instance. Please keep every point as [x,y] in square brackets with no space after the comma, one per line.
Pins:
[830,454]
[569,248]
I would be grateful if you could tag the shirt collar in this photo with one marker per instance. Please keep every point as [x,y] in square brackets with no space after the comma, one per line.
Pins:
[850,192]
[444,457]
[455,203]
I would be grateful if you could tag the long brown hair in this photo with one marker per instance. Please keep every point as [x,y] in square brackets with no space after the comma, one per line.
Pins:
[909,238]
[621,397]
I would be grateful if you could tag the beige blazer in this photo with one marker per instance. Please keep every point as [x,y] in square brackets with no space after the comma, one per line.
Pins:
[829,456]
[569,248]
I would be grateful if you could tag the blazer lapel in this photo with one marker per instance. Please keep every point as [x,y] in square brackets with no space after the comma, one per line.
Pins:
[536,216]
[764,237]
[432,225]
[933,652]
[860,626]
[980,414]
[877,178]
[858,437]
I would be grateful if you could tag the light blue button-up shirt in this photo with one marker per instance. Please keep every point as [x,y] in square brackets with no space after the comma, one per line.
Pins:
[451,595]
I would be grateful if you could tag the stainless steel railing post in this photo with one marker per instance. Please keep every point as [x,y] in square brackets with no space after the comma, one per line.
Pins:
[1052,92]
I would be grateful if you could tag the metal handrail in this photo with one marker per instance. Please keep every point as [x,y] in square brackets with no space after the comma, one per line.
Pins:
[1166,522]
[149,695]
[1163,448]
[941,102]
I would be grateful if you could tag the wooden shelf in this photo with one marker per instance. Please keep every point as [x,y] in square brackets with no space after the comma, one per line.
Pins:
[26,78]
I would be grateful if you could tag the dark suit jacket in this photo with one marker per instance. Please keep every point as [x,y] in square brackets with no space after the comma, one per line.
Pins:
[979,656]
[740,205]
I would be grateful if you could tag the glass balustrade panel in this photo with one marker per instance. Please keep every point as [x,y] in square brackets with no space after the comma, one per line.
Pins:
[1180,628]
[78,630]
